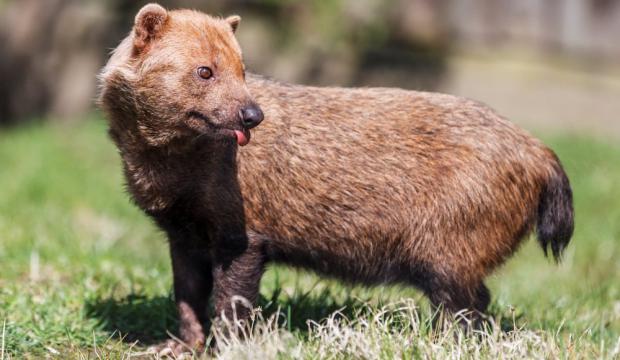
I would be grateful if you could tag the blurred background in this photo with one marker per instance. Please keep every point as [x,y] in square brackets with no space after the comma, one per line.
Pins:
[546,64]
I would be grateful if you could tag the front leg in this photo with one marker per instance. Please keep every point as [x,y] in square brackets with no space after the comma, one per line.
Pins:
[193,282]
[238,267]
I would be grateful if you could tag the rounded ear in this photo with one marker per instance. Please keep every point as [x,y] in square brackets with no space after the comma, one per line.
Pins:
[148,25]
[233,21]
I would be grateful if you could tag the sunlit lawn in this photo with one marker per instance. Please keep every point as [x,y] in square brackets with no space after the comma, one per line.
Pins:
[81,267]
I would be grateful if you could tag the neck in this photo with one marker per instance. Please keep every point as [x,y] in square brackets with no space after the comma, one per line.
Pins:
[158,176]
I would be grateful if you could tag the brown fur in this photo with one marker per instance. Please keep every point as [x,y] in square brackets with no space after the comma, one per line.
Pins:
[368,185]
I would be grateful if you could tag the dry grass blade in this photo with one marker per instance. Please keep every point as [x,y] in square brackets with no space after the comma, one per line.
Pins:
[393,331]
[3,336]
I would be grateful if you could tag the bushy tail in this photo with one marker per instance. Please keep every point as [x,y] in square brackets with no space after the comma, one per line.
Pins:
[555,214]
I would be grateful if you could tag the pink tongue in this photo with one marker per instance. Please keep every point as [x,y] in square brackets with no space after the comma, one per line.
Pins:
[242,139]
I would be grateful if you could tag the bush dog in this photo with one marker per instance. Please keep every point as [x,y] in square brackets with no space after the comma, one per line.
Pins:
[369,185]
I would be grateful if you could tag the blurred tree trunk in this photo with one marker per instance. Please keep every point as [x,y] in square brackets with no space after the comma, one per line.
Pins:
[49,57]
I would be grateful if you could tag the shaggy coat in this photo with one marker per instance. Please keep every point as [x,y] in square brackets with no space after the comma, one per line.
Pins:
[372,186]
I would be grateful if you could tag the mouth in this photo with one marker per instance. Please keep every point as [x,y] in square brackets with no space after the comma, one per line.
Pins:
[241,135]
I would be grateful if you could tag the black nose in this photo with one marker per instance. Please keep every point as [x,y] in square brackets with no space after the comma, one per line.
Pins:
[251,116]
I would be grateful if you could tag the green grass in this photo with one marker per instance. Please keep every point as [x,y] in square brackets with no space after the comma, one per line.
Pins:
[84,274]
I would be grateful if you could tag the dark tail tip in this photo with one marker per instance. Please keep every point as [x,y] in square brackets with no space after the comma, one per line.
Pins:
[555,214]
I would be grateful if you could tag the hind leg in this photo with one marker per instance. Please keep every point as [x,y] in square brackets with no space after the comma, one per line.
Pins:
[483,298]
[469,302]
[481,303]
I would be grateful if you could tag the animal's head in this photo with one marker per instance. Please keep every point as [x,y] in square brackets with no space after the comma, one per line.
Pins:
[178,76]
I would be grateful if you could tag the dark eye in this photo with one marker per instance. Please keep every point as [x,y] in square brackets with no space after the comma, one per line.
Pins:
[205,72]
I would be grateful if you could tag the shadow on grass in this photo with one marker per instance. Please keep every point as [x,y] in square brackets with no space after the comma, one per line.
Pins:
[135,317]
[149,319]
[299,308]
[508,320]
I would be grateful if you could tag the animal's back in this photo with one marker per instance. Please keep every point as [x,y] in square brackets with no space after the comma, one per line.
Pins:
[372,176]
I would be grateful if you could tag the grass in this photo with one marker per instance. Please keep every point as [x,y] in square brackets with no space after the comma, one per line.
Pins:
[83,274]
